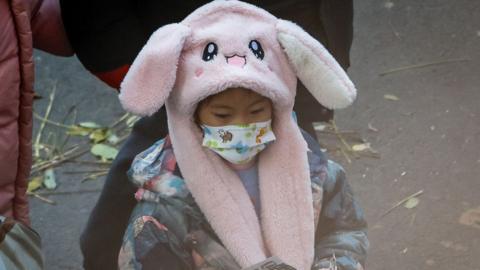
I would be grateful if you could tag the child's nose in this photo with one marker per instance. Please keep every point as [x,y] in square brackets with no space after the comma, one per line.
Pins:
[240,120]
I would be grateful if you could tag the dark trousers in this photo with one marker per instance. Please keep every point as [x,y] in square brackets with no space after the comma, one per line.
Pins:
[102,237]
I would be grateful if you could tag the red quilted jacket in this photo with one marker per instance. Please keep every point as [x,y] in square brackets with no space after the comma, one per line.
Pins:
[24,24]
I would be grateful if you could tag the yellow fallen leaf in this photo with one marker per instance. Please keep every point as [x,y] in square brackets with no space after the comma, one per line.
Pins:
[99,135]
[34,184]
[411,203]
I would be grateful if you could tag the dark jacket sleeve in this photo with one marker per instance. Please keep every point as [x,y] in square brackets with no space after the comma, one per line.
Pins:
[341,230]
[48,32]
[108,35]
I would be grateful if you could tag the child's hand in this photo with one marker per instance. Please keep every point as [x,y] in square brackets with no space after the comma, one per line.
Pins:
[200,263]
[208,254]
[197,259]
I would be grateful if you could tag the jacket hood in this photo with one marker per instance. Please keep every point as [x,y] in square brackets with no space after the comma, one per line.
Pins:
[233,44]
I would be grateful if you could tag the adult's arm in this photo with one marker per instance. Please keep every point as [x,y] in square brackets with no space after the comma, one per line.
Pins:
[108,35]
[48,30]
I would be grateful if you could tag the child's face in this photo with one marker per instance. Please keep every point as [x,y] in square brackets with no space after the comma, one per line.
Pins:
[234,106]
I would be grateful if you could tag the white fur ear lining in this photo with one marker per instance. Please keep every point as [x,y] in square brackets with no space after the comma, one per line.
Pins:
[316,68]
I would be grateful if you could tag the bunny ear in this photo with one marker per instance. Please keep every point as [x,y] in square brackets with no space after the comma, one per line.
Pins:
[153,73]
[315,67]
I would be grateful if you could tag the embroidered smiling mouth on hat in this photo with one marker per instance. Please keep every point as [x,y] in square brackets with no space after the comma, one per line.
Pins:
[236,60]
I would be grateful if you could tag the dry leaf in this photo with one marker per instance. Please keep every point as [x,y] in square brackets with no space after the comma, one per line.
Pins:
[411,203]
[49,179]
[391,97]
[99,135]
[372,128]
[34,184]
[361,147]
[105,152]
[471,217]
[113,139]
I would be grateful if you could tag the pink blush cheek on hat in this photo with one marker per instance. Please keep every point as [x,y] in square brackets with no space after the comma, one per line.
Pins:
[198,72]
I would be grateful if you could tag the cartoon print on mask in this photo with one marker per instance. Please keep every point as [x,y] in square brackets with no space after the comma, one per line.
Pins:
[226,136]
[260,134]
[240,147]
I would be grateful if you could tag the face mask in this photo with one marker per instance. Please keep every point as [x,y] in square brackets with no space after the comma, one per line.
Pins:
[238,144]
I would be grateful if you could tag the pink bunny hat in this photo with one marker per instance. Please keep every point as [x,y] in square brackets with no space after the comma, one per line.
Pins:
[233,44]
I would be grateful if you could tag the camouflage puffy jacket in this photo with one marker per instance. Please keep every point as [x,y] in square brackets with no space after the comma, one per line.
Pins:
[166,226]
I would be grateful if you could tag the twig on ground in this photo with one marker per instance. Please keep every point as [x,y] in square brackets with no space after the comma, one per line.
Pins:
[120,120]
[86,162]
[45,118]
[55,193]
[72,110]
[42,163]
[346,155]
[372,128]
[87,171]
[344,142]
[58,160]
[94,176]
[402,202]
[41,198]
[339,135]
[422,66]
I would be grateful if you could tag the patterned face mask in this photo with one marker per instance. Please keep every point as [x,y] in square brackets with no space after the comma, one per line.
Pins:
[238,144]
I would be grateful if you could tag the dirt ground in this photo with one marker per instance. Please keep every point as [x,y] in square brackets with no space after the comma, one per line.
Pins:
[424,53]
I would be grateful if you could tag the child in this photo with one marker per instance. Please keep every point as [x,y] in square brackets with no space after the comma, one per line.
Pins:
[235,183]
